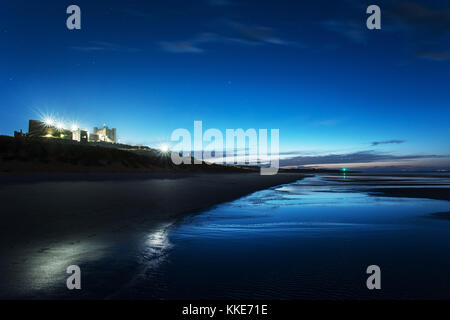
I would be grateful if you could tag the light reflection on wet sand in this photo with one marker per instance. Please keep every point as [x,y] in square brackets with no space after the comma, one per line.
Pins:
[309,239]
[314,238]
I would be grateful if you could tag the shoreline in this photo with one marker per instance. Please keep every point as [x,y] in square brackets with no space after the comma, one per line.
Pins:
[48,225]
[42,210]
[116,227]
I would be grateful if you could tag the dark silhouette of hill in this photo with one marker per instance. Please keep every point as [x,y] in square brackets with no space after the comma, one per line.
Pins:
[44,154]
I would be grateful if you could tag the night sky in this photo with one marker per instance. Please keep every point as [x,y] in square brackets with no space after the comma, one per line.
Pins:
[338,92]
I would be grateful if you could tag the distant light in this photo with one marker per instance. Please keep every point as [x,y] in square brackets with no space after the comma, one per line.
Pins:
[164,147]
[344,169]
[60,125]
[74,127]
[48,121]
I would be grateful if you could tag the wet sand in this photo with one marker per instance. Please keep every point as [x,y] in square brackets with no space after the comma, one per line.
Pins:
[440,215]
[428,193]
[115,226]
[77,206]
[50,222]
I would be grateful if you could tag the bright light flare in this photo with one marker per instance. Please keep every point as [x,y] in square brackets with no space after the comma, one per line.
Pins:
[74,127]
[163,148]
[60,125]
[49,121]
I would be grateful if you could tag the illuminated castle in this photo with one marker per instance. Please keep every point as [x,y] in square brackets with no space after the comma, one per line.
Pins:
[50,129]
[105,135]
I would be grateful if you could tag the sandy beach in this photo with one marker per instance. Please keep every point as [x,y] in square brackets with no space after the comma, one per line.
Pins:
[148,235]
[41,207]
[51,221]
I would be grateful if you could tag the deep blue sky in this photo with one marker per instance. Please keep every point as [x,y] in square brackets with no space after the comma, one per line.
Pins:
[309,68]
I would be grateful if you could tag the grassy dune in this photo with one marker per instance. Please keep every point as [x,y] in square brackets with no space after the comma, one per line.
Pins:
[56,155]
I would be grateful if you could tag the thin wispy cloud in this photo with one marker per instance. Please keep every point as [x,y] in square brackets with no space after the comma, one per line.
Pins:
[426,27]
[180,47]
[376,143]
[255,35]
[192,45]
[93,46]
[434,55]
[229,33]
[352,30]
[355,157]
[418,15]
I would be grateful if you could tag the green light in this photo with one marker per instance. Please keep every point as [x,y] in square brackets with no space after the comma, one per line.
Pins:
[344,169]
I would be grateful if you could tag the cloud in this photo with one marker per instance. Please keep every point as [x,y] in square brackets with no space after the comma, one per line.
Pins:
[181,47]
[417,15]
[231,33]
[191,45]
[352,30]
[427,28]
[376,143]
[434,55]
[424,26]
[255,35]
[103,46]
[356,157]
